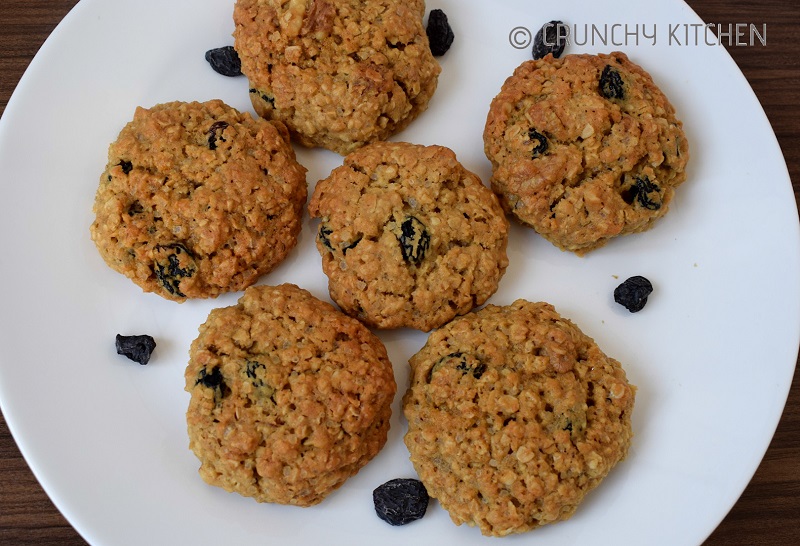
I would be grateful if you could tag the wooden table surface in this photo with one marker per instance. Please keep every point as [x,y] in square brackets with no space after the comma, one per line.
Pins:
[768,512]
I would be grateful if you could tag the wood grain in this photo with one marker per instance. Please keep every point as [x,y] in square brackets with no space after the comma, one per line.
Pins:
[768,512]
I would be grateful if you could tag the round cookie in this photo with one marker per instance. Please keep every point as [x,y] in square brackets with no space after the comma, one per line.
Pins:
[584,148]
[338,73]
[198,199]
[289,397]
[408,236]
[513,416]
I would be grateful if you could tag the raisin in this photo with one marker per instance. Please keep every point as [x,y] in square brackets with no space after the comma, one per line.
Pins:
[547,40]
[641,191]
[324,236]
[225,61]
[440,33]
[172,264]
[137,348]
[465,363]
[611,84]
[540,143]
[127,166]
[261,389]
[645,187]
[250,370]
[414,240]
[632,294]
[217,126]
[477,371]
[213,380]
[400,501]
[264,97]
[349,245]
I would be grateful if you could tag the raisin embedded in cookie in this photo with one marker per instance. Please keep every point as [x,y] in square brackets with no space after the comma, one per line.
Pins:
[514,415]
[408,236]
[198,199]
[584,148]
[289,397]
[338,73]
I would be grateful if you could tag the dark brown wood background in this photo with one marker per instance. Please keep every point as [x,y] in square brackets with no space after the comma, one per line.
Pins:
[768,513]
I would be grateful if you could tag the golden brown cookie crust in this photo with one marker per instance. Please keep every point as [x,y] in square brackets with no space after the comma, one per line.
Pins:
[198,199]
[408,236]
[289,397]
[338,73]
[513,416]
[599,164]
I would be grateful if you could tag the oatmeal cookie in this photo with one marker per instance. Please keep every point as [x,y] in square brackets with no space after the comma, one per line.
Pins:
[289,397]
[198,199]
[408,236]
[513,416]
[338,73]
[584,148]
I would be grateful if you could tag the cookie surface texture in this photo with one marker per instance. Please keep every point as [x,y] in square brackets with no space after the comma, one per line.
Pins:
[289,397]
[408,236]
[584,148]
[513,416]
[198,199]
[338,73]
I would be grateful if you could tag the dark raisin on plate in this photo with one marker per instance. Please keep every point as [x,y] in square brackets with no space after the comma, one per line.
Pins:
[225,61]
[632,294]
[137,348]
[440,33]
[547,40]
[400,501]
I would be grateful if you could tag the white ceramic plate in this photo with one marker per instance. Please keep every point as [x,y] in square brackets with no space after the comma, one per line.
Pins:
[712,353]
